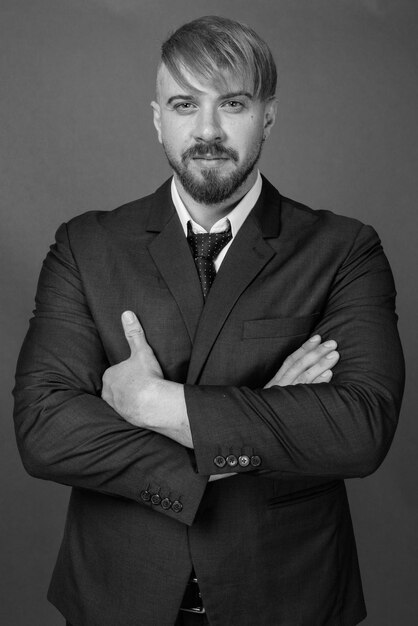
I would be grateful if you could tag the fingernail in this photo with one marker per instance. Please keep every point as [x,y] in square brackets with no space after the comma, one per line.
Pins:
[332,355]
[315,338]
[330,343]
[128,317]
[326,373]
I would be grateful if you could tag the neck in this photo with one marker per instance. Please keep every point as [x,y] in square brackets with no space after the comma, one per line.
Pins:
[206,215]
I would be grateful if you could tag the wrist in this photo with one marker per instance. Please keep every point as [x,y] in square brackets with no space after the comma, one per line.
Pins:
[149,397]
[165,410]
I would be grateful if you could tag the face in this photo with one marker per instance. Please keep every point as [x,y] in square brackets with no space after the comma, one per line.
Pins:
[212,135]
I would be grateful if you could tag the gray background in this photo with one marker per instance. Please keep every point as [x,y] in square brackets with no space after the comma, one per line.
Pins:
[76,78]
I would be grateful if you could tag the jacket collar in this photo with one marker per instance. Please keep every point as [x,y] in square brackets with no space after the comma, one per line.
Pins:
[266,211]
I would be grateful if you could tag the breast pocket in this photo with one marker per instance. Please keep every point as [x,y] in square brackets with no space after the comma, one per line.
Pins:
[280,327]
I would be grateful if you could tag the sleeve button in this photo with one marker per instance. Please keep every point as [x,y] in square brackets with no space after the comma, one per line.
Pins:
[244,460]
[145,495]
[177,506]
[219,461]
[255,460]
[156,499]
[232,460]
[165,503]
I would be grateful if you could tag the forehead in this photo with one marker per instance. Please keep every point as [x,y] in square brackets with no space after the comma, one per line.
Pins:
[222,82]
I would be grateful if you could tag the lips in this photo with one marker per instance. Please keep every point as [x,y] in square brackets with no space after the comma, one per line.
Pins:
[210,153]
[210,158]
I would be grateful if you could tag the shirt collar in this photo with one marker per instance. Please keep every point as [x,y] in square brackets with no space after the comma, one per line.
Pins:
[236,217]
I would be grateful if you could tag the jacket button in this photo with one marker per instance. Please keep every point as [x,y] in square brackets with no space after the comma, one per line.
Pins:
[255,460]
[177,506]
[231,460]
[156,499]
[244,460]
[219,461]
[165,503]
[145,495]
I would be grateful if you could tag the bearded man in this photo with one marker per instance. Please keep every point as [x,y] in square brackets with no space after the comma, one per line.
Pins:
[208,436]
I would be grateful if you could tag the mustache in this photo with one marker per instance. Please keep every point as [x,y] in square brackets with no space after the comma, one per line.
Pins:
[210,149]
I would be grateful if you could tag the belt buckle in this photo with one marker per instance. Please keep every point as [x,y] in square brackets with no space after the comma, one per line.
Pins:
[197,610]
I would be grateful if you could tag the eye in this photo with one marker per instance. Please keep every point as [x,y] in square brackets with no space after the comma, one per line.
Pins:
[184,107]
[233,106]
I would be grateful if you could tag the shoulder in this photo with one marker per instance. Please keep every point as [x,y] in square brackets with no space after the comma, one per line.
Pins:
[119,220]
[322,231]
[342,241]
[296,217]
[323,219]
[330,229]
[126,222]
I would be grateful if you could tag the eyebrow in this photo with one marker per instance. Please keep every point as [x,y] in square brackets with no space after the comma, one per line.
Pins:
[226,96]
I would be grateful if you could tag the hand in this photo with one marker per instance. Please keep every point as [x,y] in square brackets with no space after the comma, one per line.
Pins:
[136,389]
[311,363]
[127,385]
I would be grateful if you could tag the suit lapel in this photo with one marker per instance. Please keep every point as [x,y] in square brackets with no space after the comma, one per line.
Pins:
[171,254]
[247,256]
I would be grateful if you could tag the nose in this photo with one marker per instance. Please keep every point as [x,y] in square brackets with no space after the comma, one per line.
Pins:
[208,127]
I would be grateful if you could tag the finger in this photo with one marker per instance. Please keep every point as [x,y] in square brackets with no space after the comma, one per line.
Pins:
[323,365]
[293,358]
[133,331]
[325,377]
[295,373]
[306,347]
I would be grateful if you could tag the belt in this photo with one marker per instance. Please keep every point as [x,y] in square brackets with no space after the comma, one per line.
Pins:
[192,600]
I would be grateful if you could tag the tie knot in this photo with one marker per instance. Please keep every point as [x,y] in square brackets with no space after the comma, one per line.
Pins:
[208,245]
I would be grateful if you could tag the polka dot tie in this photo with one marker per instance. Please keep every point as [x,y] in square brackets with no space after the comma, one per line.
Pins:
[205,248]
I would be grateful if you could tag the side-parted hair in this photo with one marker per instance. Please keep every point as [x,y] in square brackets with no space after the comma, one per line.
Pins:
[211,45]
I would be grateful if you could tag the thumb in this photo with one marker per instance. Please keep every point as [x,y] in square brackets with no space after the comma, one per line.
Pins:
[133,331]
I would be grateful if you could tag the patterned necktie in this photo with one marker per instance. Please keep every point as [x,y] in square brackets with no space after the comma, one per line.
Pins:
[205,247]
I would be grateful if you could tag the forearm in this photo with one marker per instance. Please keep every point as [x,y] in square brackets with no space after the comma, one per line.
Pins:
[164,406]
[76,439]
[307,430]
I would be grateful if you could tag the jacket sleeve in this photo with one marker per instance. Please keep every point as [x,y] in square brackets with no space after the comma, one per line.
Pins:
[65,431]
[342,429]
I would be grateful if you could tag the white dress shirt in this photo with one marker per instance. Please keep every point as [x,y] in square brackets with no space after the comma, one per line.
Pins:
[236,217]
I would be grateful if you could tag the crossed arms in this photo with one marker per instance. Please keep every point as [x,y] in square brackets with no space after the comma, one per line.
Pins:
[137,391]
[67,433]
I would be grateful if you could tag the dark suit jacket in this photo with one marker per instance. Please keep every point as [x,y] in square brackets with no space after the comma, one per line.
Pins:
[274,545]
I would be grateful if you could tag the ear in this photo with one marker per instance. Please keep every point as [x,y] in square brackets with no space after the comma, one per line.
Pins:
[157,119]
[270,112]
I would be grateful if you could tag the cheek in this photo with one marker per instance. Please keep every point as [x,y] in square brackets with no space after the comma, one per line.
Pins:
[174,136]
[248,134]
[250,141]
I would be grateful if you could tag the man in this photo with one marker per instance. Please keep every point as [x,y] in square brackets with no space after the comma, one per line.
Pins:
[207,467]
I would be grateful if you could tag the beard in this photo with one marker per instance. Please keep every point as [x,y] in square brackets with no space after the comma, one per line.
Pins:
[210,186]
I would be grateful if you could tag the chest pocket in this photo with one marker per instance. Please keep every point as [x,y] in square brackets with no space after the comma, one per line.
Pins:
[279,327]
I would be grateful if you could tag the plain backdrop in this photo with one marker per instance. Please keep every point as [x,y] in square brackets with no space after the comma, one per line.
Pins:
[76,134]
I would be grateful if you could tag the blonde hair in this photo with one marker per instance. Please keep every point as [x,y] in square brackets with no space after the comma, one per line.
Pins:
[210,46]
